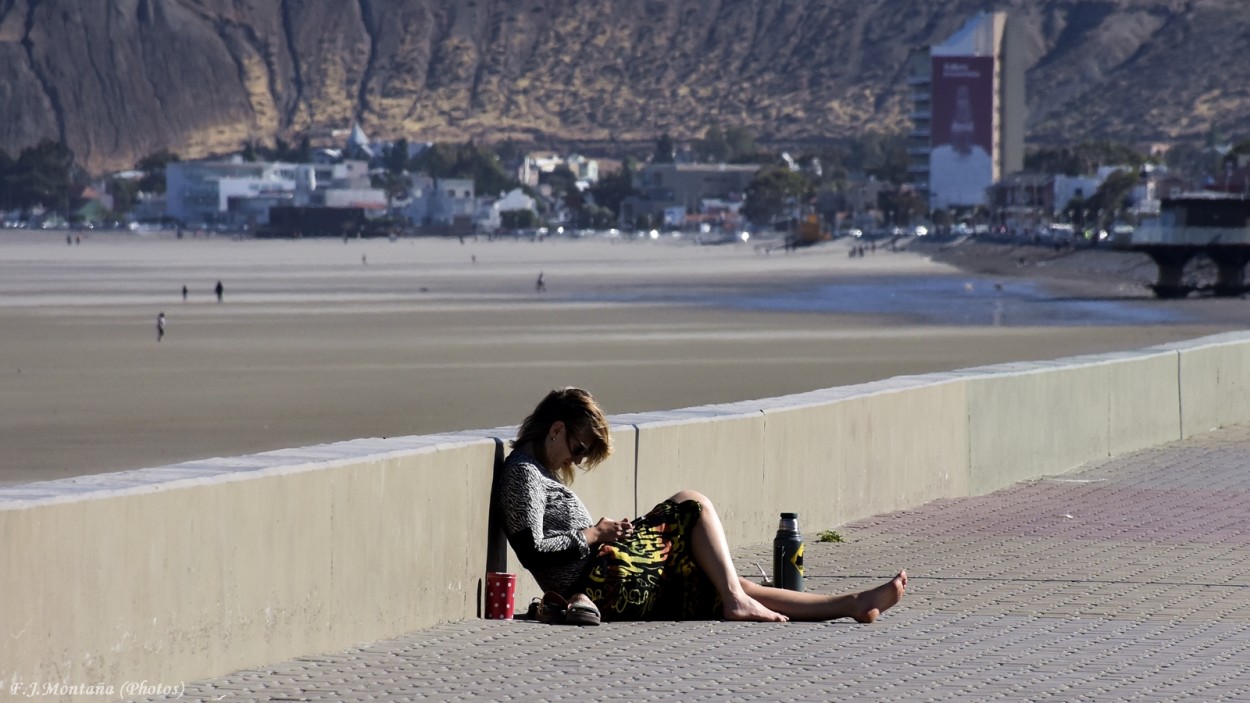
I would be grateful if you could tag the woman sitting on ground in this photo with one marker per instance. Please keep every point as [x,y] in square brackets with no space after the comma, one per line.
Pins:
[672,564]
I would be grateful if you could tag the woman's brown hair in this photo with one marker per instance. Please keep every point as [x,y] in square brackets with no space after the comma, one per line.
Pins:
[580,414]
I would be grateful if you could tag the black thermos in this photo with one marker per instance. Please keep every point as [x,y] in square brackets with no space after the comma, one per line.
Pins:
[788,554]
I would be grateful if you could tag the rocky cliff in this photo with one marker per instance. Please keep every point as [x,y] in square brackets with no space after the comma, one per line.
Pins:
[118,79]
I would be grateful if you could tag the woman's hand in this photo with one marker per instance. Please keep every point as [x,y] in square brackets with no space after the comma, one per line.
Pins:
[606,531]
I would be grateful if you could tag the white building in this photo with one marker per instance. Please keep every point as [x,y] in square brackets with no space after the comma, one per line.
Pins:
[489,214]
[199,192]
[534,165]
[968,112]
[440,201]
[241,193]
[586,170]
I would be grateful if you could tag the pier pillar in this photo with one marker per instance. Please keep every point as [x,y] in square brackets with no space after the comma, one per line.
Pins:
[1171,261]
[1230,264]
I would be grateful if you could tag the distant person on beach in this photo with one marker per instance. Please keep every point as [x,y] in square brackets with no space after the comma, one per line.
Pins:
[184,293]
[160,326]
[671,564]
[540,286]
[219,289]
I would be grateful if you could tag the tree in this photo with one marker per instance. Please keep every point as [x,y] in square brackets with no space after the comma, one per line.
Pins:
[712,147]
[1112,196]
[1052,160]
[613,188]
[394,180]
[664,150]
[488,172]
[561,179]
[447,160]
[773,189]
[882,156]
[518,219]
[153,167]
[125,192]
[1082,159]
[7,168]
[395,185]
[304,153]
[595,217]
[903,205]
[510,151]
[1190,160]
[43,175]
[437,161]
[833,164]
[281,151]
[396,156]
[740,146]
[734,145]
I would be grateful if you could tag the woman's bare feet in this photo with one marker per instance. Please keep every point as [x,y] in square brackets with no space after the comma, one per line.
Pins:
[875,601]
[745,608]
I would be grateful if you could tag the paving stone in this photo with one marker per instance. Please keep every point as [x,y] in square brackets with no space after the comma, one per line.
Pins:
[1128,580]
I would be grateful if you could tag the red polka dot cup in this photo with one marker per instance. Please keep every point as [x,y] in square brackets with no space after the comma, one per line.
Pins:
[500,596]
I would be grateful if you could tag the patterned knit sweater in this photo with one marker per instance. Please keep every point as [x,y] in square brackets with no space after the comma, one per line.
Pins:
[544,521]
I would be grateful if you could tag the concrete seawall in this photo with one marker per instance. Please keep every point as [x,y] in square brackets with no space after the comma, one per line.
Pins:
[193,570]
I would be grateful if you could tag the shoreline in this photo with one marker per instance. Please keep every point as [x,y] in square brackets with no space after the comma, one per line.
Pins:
[313,345]
[1090,271]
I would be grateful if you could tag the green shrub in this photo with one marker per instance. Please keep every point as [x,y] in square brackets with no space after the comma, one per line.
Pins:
[830,536]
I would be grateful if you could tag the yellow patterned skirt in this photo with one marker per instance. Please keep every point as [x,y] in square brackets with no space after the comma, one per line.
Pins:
[652,575]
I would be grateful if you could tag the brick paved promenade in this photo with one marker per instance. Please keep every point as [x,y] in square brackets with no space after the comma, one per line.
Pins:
[1126,580]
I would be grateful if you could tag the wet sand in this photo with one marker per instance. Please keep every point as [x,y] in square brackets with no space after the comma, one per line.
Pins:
[320,340]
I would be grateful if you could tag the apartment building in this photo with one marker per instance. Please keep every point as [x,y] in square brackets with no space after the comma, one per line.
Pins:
[968,112]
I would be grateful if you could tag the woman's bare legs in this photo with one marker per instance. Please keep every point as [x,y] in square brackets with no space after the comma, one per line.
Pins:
[747,600]
[711,552]
[863,606]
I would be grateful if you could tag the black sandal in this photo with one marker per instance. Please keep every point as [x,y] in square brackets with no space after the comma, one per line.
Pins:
[552,609]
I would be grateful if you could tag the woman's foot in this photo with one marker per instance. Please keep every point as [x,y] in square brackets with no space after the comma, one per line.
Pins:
[746,609]
[874,602]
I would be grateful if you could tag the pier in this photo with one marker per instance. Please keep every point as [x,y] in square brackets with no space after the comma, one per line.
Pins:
[1212,225]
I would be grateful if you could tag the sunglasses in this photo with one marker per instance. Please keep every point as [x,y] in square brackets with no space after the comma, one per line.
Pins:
[580,451]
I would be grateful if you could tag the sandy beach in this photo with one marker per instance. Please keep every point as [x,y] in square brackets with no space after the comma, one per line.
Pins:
[323,340]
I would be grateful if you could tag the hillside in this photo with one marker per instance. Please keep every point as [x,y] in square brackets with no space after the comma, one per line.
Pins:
[118,79]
